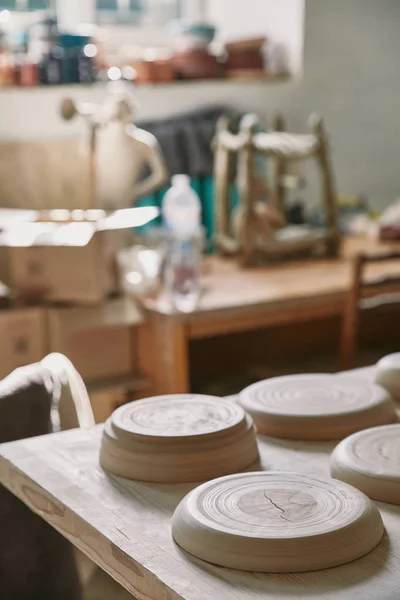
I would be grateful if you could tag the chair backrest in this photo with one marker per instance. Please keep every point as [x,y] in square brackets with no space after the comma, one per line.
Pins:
[368,292]
[73,408]
[35,560]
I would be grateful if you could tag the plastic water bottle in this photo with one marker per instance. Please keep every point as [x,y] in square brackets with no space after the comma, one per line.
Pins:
[181,213]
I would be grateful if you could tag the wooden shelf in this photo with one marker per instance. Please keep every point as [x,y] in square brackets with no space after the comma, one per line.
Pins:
[179,83]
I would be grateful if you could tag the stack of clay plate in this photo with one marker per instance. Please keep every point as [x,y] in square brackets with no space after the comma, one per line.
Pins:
[370,460]
[388,374]
[316,407]
[277,522]
[178,438]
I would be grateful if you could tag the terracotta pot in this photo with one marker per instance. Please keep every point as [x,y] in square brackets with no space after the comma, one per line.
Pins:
[245,54]
[196,64]
[249,59]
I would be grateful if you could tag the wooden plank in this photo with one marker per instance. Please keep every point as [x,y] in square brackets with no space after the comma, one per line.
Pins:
[86,334]
[237,300]
[104,402]
[124,526]
[382,256]
[229,287]
[285,313]
[382,281]
[131,383]
[162,347]
[108,395]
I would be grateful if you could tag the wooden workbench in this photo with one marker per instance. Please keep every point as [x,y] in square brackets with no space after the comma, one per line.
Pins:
[124,526]
[238,300]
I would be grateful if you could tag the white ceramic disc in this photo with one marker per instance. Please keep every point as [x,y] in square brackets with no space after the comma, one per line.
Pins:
[178,438]
[316,407]
[388,374]
[370,460]
[276,522]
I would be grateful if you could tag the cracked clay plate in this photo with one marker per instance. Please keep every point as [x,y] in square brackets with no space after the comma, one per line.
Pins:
[276,522]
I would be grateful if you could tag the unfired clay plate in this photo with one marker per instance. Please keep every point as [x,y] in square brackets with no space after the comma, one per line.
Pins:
[178,438]
[370,460]
[387,374]
[316,407]
[276,522]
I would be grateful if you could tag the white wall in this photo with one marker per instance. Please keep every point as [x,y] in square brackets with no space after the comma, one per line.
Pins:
[351,66]
[71,13]
[35,113]
[282,21]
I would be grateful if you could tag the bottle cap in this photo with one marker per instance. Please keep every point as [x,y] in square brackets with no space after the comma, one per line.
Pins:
[180,179]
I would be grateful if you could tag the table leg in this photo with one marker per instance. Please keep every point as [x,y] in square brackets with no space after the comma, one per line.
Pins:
[163,355]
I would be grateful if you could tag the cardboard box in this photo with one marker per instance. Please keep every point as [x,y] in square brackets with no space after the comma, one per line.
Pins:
[68,274]
[67,261]
[100,341]
[22,338]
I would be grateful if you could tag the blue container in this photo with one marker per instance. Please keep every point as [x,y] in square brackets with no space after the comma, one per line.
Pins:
[77,66]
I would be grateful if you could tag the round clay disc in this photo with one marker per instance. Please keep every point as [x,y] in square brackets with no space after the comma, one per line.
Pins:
[165,419]
[388,374]
[316,407]
[276,522]
[178,438]
[370,460]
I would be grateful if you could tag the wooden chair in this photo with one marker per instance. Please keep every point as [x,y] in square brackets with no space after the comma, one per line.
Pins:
[72,408]
[378,292]
[35,560]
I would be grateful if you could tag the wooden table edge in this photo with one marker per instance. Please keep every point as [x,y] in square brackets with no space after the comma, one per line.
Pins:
[47,506]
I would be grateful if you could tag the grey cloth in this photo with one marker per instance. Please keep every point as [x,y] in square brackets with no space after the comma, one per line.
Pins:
[186,140]
[36,562]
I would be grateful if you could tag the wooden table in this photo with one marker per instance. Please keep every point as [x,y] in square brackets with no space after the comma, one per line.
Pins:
[237,300]
[124,526]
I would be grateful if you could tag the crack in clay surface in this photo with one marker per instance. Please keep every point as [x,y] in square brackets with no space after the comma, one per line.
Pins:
[278,507]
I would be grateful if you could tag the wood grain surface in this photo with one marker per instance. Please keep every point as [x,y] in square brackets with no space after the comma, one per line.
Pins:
[238,300]
[124,526]
[292,291]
